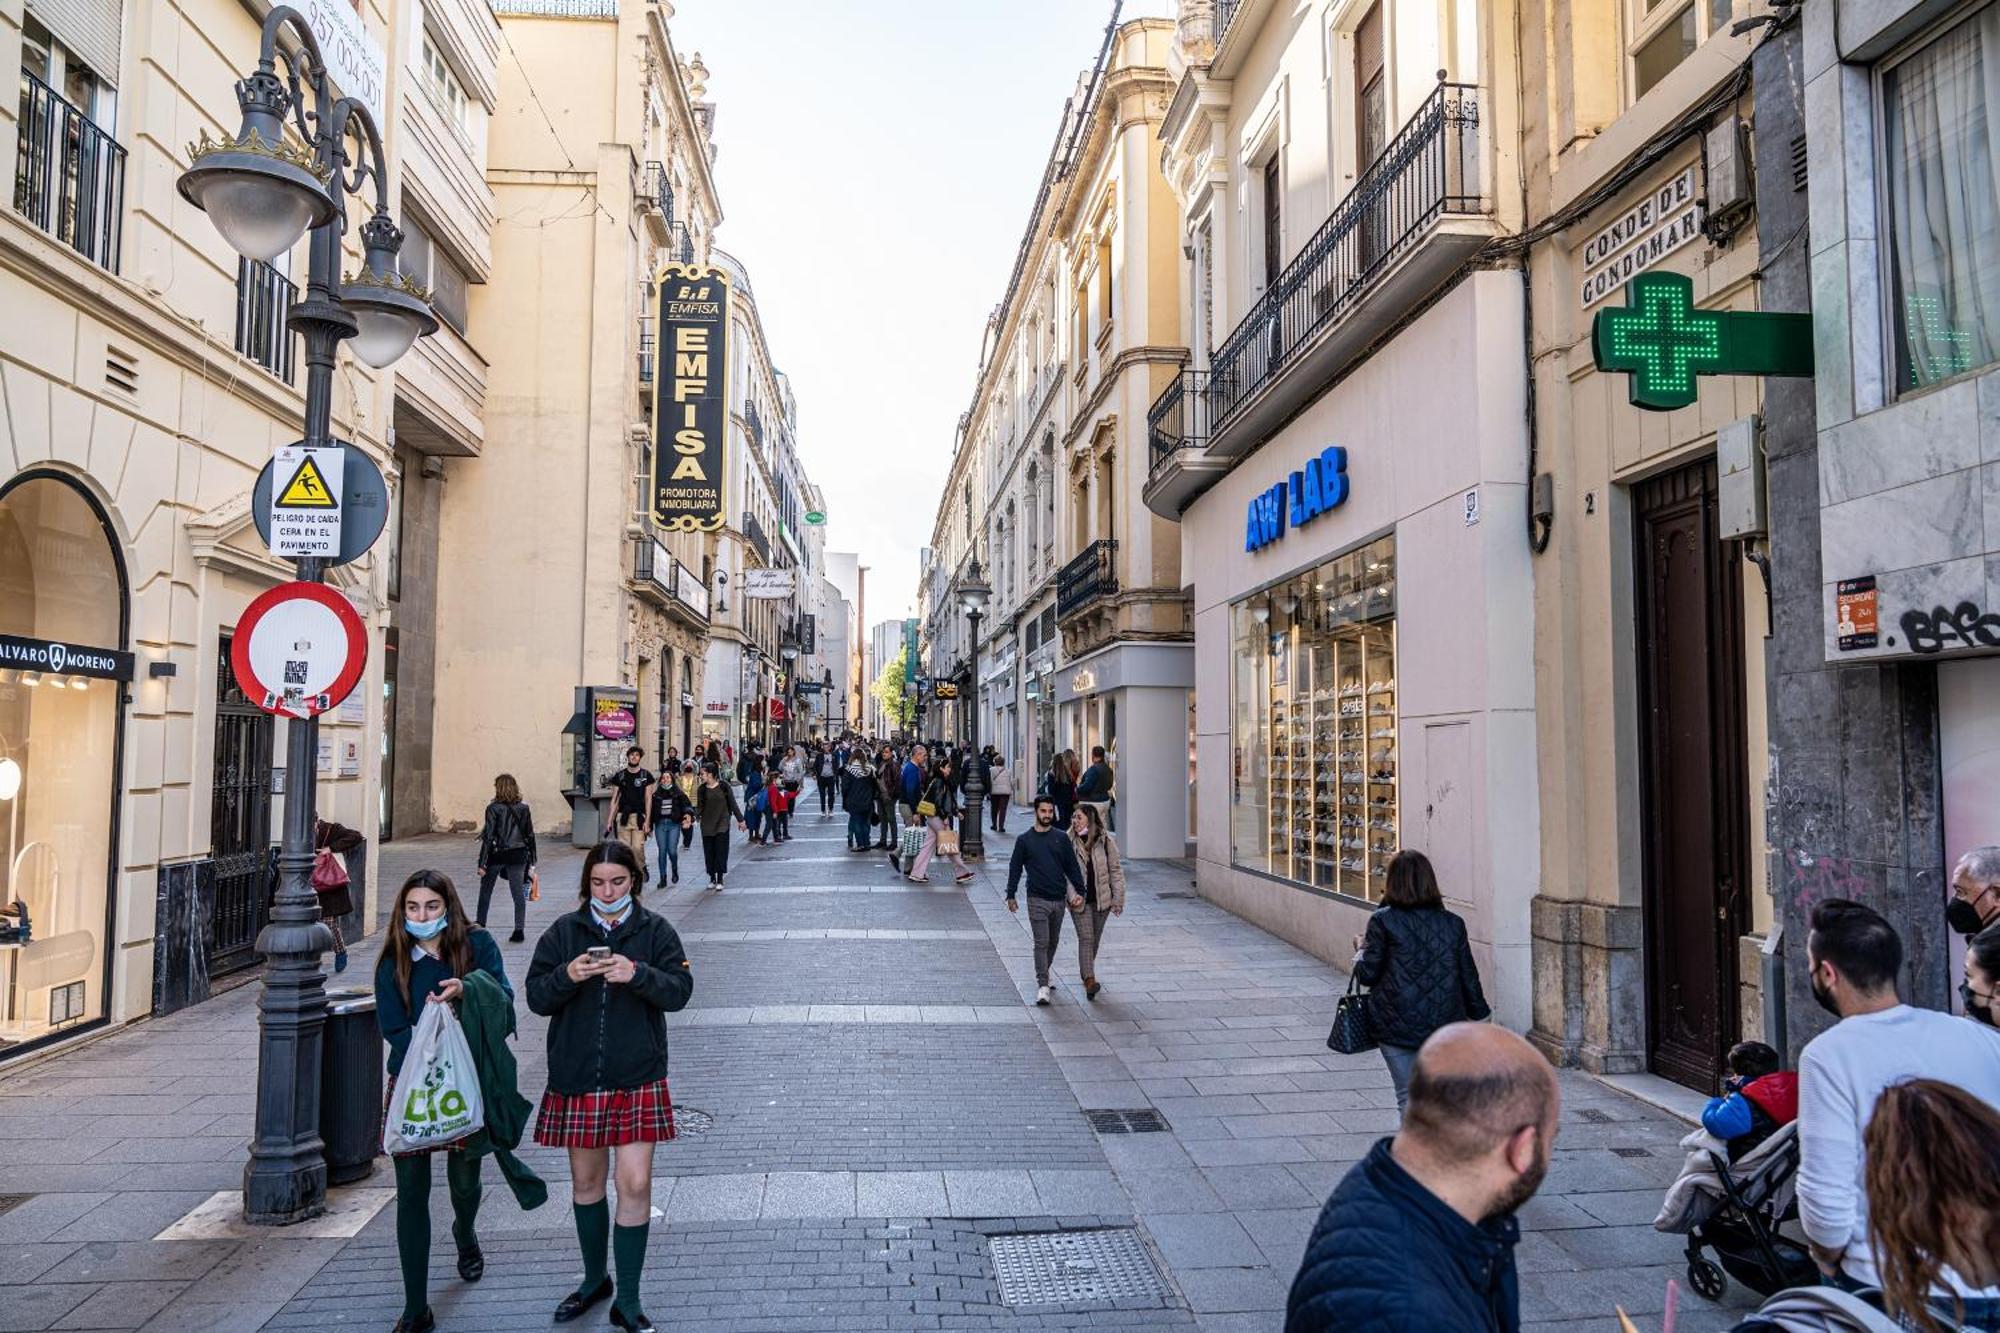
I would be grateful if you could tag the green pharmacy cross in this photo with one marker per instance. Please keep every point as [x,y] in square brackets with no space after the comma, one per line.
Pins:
[1664,344]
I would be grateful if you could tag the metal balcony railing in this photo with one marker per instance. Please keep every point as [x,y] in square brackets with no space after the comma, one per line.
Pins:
[1225,10]
[1179,418]
[754,531]
[680,242]
[753,423]
[1429,169]
[264,298]
[648,356]
[1088,579]
[69,178]
[657,190]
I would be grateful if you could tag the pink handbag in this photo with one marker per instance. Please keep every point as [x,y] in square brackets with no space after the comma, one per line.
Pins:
[329,872]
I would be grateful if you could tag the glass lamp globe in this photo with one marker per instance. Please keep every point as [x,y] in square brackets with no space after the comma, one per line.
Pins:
[382,334]
[260,215]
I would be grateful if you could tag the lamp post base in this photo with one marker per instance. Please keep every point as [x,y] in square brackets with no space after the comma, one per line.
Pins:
[972,824]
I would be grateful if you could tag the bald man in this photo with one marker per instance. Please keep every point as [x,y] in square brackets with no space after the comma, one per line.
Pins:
[1419,1236]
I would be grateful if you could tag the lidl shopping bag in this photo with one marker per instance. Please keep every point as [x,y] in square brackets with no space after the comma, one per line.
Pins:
[436,1100]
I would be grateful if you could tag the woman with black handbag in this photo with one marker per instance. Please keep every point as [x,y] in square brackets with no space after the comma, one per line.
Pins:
[1417,963]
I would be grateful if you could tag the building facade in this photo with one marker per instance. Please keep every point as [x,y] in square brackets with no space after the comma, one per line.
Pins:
[148,375]
[1350,517]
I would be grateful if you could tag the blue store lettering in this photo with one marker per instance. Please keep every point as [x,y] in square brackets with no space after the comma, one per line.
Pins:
[1317,488]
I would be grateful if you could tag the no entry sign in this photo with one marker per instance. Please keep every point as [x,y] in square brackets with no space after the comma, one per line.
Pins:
[299,650]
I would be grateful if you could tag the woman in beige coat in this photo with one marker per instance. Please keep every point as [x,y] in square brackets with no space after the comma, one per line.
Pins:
[1103,888]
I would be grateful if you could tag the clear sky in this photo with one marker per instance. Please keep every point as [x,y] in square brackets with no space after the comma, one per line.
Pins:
[876,161]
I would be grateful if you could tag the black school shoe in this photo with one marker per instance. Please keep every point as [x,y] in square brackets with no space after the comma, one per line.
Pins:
[635,1324]
[471,1264]
[423,1323]
[579,1302]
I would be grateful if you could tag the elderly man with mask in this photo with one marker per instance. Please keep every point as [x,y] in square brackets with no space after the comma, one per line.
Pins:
[1975,891]
[1420,1234]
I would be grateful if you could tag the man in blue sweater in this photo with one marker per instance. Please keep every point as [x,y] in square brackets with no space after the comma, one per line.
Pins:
[1419,1236]
[1055,885]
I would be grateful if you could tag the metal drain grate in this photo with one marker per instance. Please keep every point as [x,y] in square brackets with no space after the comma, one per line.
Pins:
[690,1123]
[1176,896]
[1143,1121]
[1075,1267]
[1593,1115]
[9,1202]
[1632,1152]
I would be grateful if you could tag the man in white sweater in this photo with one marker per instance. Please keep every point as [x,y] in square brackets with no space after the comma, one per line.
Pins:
[1854,956]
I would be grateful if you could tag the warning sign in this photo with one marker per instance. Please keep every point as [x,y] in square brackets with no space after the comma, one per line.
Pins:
[305,501]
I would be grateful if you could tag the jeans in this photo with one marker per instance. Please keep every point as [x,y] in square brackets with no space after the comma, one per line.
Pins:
[826,795]
[1000,800]
[885,814]
[516,876]
[753,820]
[715,854]
[667,839]
[1401,1060]
[1045,918]
[859,831]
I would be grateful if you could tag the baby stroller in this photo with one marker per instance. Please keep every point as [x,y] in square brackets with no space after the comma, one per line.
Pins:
[1756,1195]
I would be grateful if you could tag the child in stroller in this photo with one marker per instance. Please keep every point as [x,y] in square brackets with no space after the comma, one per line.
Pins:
[1736,1210]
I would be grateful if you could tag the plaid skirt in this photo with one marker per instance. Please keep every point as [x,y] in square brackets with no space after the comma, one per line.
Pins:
[644,1114]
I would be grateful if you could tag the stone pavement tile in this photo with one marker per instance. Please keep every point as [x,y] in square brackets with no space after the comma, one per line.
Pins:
[1319,1178]
[1621,1207]
[1246,1152]
[139,1261]
[1174,1189]
[1073,1193]
[37,1306]
[808,1194]
[185,1316]
[1641,1291]
[1281,1233]
[1257,1322]
[1619,1247]
[23,1262]
[1548,1211]
[1293,1125]
[136,1215]
[991,1193]
[1109,1095]
[1232,1290]
[155,1148]
[1260,1186]
[121,1305]
[838,1013]
[45,1214]
[727,1198]
[1138,1152]
[900,1194]
[1191,1241]
[1537,1252]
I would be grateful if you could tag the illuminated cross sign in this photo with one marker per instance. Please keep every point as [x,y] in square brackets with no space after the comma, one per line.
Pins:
[1664,344]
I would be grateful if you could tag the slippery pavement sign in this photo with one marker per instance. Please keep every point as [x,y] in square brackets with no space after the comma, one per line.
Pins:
[305,504]
[363,497]
[299,649]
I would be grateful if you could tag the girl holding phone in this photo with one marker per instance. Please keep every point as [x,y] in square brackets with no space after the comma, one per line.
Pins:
[605,976]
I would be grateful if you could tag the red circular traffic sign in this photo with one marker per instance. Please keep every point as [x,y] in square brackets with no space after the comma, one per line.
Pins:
[299,650]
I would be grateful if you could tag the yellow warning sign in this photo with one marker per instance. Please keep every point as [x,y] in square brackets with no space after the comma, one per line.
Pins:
[307,489]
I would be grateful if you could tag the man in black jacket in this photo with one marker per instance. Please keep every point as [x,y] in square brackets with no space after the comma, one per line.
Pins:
[1055,884]
[1419,1235]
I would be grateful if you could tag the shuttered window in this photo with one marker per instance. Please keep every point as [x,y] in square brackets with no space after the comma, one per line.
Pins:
[91,29]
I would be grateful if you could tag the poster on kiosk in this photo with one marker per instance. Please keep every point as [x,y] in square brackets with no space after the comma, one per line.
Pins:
[604,725]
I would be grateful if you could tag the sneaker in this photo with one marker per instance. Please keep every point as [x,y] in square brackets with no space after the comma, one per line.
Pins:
[516,938]
[965,877]
[340,960]
[914,879]
[1042,997]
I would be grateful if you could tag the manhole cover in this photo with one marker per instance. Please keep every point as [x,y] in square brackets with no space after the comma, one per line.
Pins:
[9,1202]
[690,1123]
[1143,1121]
[1073,1267]
[1594,1116]
[1633,1152]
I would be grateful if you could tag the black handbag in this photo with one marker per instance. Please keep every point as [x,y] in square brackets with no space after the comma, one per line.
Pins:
[1350,1035]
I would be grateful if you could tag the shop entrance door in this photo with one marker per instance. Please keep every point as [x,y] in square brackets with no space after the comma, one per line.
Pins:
[240,828]
[1695,852]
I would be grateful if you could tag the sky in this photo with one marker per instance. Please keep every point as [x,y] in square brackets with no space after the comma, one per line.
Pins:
[876,161]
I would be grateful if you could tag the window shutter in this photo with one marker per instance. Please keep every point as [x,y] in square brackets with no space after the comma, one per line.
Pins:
[90,28]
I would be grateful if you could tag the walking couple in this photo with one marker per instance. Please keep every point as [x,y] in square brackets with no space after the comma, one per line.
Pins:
[1079,872]
[605,976]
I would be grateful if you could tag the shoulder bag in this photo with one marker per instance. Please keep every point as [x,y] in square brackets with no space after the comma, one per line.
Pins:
[1350,1035]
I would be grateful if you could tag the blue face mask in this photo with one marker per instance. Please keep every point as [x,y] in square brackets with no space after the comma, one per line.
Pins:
[426,930]
[611,911]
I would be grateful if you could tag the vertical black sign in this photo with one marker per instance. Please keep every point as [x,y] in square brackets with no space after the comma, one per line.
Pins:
[691,398]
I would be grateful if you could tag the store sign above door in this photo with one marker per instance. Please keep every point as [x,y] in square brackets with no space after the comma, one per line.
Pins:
[38,659]
[1665,345]
[1317,488]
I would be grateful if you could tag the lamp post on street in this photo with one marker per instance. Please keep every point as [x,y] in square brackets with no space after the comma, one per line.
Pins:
[973,594]
[262,194]
[789,651]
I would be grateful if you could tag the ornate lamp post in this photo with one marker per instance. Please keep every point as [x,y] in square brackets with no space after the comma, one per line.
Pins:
[751,691]
[973,594]
[788,649]
[263,194]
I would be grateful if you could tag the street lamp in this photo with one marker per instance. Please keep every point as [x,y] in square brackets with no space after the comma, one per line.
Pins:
[750,690]
[789,650]
[973,594]
[263,195]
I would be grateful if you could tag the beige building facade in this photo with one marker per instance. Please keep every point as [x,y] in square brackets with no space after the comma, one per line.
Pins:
[147,376]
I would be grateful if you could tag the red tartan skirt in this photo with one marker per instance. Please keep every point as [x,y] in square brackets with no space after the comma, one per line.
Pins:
[644,1114]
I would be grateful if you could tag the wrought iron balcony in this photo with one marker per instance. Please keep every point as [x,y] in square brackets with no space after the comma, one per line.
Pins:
[753,423]
[680,243]
[1088,579]
[656,571]
[1225,10]
[69,178]
[264,297]
[754,532]
[1177,434]
[657,191]
[648,359]
[1370,263]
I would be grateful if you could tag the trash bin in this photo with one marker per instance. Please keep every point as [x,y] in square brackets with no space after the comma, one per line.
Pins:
[350,1086]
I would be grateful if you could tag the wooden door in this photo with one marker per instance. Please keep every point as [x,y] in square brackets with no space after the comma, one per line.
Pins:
[1696,852]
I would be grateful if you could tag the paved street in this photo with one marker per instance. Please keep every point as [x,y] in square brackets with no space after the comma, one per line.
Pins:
[882,1104]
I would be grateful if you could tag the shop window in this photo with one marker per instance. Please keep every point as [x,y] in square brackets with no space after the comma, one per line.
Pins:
[1313,726]
[59,581]
[1943,203]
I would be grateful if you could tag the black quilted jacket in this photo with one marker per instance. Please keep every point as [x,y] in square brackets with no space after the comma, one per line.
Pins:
[1418,968]
[1388,1256]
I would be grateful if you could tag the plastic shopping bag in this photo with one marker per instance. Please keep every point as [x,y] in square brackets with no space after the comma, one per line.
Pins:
[436,1100]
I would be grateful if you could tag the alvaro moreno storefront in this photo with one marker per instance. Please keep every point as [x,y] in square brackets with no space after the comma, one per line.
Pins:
[1364,647]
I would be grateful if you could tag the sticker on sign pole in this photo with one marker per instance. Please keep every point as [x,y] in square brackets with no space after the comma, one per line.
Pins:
[299,650]
[305,501]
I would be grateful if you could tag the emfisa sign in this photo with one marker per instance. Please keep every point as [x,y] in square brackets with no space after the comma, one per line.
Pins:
[1319,486]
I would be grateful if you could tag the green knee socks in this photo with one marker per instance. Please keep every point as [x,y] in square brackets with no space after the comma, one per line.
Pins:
[413,1232]
[461,1178]
[628,1250]
[593,1232]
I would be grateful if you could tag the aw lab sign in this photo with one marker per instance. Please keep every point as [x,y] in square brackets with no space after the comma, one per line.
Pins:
[1317,488]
